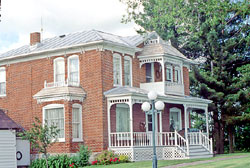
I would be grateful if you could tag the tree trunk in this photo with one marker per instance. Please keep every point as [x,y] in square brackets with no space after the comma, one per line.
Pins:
[222,129]
[231,137]
[218,134]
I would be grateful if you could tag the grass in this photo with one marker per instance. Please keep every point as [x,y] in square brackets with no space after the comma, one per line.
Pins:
[230,163]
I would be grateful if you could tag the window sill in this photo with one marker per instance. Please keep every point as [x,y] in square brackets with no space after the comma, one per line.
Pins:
[3,95]
[59,140]
[77,140]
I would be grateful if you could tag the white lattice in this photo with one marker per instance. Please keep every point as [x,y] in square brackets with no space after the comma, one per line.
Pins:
[171,153]
[146,154]
[124,151]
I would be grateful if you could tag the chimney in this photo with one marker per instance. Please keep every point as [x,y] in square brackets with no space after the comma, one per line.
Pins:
[35,38]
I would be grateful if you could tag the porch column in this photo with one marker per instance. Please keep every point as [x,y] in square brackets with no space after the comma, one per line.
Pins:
[185,119]
[131,120]
[206,111]
[109,130]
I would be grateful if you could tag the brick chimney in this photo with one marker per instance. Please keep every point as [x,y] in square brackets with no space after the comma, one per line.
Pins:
[35,38]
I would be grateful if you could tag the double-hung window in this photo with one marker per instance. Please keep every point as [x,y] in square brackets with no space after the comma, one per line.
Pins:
[149,72]
[127,71]
[2,81]
[53,114]
[177,75]
[117,72]
[73,69]
[77,122]
[169,73]
[122,118]
[59,70]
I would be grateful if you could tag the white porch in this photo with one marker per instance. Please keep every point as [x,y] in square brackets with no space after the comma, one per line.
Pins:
[137,144]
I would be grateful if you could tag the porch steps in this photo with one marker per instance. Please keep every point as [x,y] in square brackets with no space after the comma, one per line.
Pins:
[198,151]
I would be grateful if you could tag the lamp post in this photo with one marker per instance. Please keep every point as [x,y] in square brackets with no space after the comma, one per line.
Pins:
[156,107]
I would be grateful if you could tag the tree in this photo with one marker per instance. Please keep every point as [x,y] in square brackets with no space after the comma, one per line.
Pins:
[215,30]
[41,137]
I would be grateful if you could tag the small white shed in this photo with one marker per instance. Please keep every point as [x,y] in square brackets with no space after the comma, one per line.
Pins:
[14,152]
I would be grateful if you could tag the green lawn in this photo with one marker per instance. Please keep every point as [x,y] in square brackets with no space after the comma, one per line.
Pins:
[232,163]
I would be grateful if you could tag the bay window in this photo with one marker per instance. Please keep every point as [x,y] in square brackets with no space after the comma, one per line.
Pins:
[53,114]
[127,71]
[2,81]
[77,122]
[117,72]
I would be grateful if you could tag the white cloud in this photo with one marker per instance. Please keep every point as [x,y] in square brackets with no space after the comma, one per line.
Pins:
[59,17]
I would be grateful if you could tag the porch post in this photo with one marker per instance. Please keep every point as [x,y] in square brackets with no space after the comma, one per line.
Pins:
[206,111]
[131,120]
[109,128]
[185,119]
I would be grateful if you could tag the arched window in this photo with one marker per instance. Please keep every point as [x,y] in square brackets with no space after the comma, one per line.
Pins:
[54,115]
[77,122]
[2,81]
[73,69]
[117,71]
[127,71]
[59,69]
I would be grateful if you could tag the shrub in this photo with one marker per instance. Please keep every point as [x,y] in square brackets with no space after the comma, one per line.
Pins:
[82,157]
[123,158]
[106,158]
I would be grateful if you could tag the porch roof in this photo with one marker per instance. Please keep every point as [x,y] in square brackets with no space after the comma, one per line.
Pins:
[141,94]
[7,123]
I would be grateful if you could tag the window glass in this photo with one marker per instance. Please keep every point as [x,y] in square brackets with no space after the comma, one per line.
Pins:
[177,75]
[55,117]
[2,81]
[117,69]
[76,123]
[169,74]
[175,120]
[149,72]
[74,69]
[150,126]
[127,71]
[122,119]
[59,70]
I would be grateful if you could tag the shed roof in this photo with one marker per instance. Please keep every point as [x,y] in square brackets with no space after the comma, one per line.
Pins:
[7,123]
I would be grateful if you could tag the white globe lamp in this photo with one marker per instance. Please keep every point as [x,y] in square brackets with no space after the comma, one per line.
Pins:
[159,105]
[146,106]
[152,95]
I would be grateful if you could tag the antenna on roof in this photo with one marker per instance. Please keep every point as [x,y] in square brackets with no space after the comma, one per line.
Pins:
[41,28]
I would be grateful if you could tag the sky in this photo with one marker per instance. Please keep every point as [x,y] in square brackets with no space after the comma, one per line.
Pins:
[21,17]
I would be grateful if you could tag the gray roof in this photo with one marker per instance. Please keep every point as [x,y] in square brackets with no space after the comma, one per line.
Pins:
[124,90]
[160,49]
[72,39]
[57,91]
[7,123]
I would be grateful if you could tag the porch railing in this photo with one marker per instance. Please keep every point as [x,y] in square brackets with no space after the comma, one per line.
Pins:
[145,139]
[199,138]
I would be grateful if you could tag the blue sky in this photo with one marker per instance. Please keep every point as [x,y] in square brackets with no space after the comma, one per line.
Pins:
[20,18]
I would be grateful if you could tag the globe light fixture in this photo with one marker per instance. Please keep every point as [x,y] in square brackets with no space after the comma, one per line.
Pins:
[156,108]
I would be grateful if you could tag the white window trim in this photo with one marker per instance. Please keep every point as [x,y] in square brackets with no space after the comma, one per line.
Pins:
[52,106]
[4,69]
[131,67]
[171,70]
[80,109]
[59,58]
[118,56]
[72,57]
[174,109]
[179,74]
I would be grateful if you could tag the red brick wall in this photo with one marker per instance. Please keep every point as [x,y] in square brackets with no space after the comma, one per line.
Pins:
[186,81]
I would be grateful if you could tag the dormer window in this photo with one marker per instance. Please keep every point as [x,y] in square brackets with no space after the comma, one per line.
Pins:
[59,70]
[2,81]
[149,72]
[117,72]
[73,69]
[127,71]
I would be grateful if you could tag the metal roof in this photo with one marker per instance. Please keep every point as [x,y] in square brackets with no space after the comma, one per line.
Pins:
[7,123]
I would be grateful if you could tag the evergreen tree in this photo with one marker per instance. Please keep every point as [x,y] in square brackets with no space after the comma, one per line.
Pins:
[218,31]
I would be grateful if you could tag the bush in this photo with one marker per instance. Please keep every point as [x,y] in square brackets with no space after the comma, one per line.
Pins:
[82,157]
[57,161]
[123,158]
[106,158]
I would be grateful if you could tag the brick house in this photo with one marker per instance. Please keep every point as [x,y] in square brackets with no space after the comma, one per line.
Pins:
[92,84]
